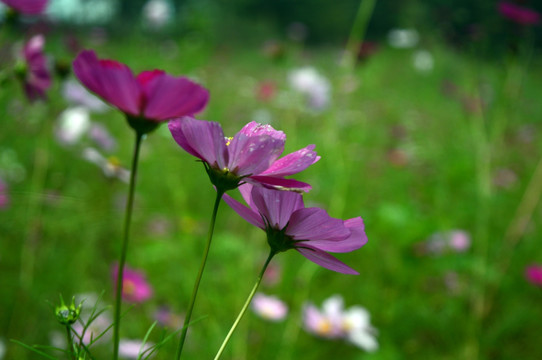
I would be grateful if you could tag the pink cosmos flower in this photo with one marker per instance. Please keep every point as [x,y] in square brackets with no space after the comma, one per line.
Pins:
[518,14]
[36,76]
[30,7]
[290,225]
[269,307]
[252,155]
[533,273]
[152,96]
[135,287]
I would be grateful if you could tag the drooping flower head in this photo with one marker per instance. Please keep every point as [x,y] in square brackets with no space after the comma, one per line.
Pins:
[147,99]
[290,225]
[335,322]
[33,71]
[251,156]
[30,7]
[135,287]
[518,14]
[269,307]
[533,273]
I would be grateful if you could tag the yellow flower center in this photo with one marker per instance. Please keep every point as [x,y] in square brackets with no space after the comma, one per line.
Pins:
[128,287]
[228,140]
[324,327]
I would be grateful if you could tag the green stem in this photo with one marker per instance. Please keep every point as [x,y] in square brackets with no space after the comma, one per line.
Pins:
[122,260]
[355,40]
[70,342]
[245,307]
[184,330]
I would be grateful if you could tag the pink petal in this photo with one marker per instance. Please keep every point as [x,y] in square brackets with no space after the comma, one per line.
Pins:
[255,129]
[202,139]
[356,239]
[293,162]
[324,259]
[246,213]
[315,224]
[278,183]
[167,96]
[31,7]
[253,154]
[111,80]
[276,206]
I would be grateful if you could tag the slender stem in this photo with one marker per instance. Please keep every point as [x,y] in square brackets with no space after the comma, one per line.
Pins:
[70,342]
[245,307]
[124,248]
[184,330]
[357,33]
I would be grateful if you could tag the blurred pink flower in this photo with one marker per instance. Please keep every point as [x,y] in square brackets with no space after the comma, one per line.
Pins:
[4,197]
[454,240]
[98,327]
[135,288]
[36,76]
[30,7]
[252,155]
[518,14]
[290,225]
[459,240]
[533,273]
[131,349]
[335,322]
[148,98]
[269,307]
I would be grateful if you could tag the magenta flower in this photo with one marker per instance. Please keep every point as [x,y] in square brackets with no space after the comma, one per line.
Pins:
[34,73]
[252,155]
[533,273]
[148,98]
[518,14]
[135,288]
[30,7]
[290,225]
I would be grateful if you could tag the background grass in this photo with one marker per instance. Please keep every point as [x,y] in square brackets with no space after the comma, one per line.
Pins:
[61,232]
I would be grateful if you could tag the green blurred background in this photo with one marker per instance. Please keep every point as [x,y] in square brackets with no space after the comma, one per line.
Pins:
[439,132]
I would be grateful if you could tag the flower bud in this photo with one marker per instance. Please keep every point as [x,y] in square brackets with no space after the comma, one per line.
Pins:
[67,315]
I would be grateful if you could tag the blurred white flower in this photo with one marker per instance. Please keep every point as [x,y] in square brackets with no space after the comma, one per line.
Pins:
[314,86]
[77,94]
[423,61]
[130,349]
[110,165]
[269,307]
[157,13]
[334,322]
[403,38]
[97,328]
[72,124]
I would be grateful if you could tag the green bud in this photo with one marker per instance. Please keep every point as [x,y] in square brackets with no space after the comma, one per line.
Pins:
[67,315]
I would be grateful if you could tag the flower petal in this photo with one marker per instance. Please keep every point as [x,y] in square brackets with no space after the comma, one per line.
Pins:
[324,259]
[202,139]
[246,213]
[276,206]
[356,239]
[256,129]
[276,183]
[315,224]
[167,96]
[31,7]
[253,154]
[111,80]
[293,162]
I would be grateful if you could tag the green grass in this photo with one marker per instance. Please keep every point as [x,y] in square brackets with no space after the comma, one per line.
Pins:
[67,243]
